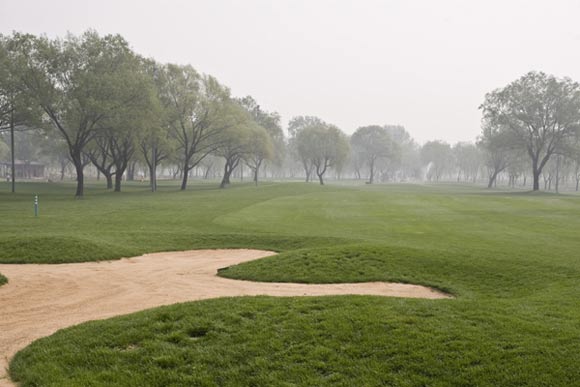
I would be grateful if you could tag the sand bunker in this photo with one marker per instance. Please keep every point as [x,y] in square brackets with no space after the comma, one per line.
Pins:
[41,299]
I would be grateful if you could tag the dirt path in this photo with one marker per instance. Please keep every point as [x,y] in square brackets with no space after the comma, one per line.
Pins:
[41,299]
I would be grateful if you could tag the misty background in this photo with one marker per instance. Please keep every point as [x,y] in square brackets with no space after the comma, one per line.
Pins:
[424,65]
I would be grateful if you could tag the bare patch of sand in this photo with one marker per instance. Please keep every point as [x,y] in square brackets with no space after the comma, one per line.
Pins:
[41,299]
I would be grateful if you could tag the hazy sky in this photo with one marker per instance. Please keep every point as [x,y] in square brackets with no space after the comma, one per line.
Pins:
[422,64]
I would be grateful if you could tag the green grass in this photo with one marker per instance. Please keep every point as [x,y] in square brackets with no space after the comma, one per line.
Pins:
[510,258]
[105,225]
[3,280]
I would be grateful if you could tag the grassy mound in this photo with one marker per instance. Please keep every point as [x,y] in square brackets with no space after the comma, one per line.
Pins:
[3,280]
[350,263]
[68,249]
[328,341]
[459,272]
[58,249]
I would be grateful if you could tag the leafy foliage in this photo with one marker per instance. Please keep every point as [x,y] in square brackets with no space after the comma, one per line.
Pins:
[539,113]
[322,146]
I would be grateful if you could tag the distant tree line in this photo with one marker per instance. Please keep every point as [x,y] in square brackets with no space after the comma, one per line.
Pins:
[90,102]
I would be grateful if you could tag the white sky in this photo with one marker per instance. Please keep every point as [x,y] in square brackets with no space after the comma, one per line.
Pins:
[422,64]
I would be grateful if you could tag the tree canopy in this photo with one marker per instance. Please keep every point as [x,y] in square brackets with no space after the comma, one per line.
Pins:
[322,146]
[539,112]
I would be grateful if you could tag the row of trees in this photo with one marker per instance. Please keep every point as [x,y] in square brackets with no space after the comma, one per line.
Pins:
[98,102]
[407,161]
[91,100]
[95,101]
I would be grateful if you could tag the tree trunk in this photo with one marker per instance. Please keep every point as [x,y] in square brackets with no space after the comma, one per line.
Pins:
[184,178]
[118,180]
[307,170]
[226,176]
[153,176]
[62,171]
[131,171]
[119,171]
[12,156]
[176,172]
[257,171]
[557,183]
[229,167]
[320,173]
[109,177]
[372,172]
[536,185]
[79,167]
[536,174]
[492,179]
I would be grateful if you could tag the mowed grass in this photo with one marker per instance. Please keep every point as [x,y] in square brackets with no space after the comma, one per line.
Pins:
[510,258]
[106,225]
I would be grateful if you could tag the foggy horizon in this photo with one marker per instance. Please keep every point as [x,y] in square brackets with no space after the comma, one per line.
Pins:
[421,65]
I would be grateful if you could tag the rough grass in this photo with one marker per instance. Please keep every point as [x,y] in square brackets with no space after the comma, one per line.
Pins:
[511,258]
[462,273]
[330,341]
[3,280]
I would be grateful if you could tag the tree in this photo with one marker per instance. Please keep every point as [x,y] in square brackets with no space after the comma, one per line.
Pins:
[541,112]
[125,128]
[323,146]
[496,151]
[240,136]
[263,144]
[405,161]
[372,143]
[5,86]
[123,142]
[438,155]
[576,173]
[260,148]
[78,82]
[17,113]
[295,127]
[99,152]
[517,166]
[194,104]
[155,142]
[468,159]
